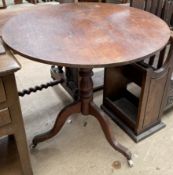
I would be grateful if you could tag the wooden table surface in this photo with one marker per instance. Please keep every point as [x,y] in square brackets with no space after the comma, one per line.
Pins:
[86,34]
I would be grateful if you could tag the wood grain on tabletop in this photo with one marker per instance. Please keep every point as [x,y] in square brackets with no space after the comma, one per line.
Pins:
[86,34]
[6,14]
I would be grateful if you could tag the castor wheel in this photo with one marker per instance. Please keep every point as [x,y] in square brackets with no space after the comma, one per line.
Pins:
[69,121]
[33,145]
[130,163]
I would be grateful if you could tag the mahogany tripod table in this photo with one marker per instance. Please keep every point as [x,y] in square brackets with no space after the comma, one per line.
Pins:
[85,36]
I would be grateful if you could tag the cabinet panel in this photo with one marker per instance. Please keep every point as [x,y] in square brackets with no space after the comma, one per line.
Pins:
[4,117]
[2,92]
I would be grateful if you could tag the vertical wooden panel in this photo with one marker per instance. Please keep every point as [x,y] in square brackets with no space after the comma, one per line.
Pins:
[154,6]
[138,4]
[148,5]
[153,105]
[4,117]
[160,7]
[2,92]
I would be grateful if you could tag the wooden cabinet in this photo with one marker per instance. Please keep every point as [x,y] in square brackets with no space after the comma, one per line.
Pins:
[134,95]
[11,121]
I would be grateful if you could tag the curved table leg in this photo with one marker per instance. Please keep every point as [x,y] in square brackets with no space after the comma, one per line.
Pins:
[60,121]
[85,106]
[100,116]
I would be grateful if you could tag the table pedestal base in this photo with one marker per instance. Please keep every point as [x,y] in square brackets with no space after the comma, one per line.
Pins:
[85,106]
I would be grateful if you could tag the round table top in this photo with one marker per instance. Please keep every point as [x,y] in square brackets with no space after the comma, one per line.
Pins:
[86,34]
